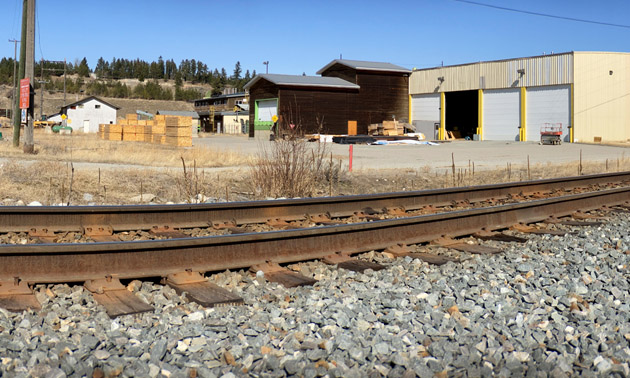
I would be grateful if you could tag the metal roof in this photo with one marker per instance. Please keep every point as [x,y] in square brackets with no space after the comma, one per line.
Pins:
[361,65]
[180,113]
[239,94]
[303,81]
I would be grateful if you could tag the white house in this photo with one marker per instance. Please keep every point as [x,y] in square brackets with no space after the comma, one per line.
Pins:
[85,115]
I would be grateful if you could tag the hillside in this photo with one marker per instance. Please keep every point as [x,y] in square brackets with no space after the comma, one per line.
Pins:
[52,101]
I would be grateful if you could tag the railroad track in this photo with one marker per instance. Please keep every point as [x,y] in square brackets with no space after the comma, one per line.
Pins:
[181,261]
[98,223]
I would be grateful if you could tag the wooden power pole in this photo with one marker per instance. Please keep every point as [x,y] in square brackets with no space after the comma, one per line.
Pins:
[29,144]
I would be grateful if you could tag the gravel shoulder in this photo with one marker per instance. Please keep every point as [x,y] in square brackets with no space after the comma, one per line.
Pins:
[554,306]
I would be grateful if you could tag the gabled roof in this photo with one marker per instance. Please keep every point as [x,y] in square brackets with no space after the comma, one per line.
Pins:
[303,81]
[83,101]
[361,65]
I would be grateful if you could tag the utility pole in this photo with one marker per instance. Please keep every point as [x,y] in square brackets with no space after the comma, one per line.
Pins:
[41,91]
[64,82]
[29,144]
[15,100]
[17,120]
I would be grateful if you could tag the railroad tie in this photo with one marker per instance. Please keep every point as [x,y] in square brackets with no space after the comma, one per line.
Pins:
[115,297]
[402,250]
[199,290]
[287,278]
[525,229]
[322,219]
[167,232]
[345,261]
[280,223]
[458,245]
[498,236]
[17,296]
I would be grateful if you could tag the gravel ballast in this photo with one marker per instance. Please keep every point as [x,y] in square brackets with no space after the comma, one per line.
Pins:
[552,306]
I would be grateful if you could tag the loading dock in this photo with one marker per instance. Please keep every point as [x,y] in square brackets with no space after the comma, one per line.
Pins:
[461,117]
[586,92]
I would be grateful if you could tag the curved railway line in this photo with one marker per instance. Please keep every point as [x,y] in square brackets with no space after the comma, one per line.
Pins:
[384,221]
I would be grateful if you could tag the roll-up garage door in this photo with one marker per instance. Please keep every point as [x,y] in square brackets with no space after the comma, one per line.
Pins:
[425,112]
[267,109]
[501,114]
[548,106]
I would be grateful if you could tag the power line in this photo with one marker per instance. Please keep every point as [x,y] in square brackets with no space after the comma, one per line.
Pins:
[544,14]
[15,16]
[39,38]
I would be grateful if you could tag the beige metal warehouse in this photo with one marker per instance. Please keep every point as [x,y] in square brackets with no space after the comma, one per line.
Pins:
[587,94]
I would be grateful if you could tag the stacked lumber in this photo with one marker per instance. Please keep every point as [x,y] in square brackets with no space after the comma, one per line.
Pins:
[143,131]
[171,130]
[392,128]
[158,131]
[387,128]
[128,131]
[179,131]
[110,131]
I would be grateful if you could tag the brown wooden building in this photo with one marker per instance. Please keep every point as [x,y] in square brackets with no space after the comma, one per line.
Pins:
[347,90]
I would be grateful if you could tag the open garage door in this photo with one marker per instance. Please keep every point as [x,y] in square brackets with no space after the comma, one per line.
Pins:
[548,105]
[425,113]
[501,114]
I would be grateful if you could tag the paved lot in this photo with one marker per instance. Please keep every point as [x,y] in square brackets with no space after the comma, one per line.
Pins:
[485,155]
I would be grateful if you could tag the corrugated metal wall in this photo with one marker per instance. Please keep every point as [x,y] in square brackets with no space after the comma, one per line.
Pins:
[537,71]
[601,99]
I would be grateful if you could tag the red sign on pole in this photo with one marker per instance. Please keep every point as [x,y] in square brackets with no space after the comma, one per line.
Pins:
[25,93]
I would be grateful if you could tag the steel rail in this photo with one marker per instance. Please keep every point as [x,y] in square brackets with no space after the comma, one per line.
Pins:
[144,217]
[48,263]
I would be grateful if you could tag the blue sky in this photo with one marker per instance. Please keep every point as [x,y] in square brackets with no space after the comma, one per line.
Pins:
[303,36]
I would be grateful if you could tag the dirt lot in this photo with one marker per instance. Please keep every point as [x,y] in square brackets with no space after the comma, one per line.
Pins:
[81,169]
[485,155]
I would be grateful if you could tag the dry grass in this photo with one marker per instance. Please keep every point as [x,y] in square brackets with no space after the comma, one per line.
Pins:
[311,171]
[53,183]
[376,181]
[292,168]
[89,148]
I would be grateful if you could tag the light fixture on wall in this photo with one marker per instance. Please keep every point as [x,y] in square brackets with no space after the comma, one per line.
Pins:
[441,79]
[521,71]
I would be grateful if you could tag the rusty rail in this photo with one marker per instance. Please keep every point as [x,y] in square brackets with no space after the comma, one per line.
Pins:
[124,218]
[44,263]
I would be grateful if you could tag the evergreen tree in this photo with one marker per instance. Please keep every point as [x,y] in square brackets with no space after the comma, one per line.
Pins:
[83,69]
[100,68]
[237,71]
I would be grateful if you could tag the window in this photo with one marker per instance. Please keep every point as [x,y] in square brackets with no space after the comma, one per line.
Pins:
[97,106]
